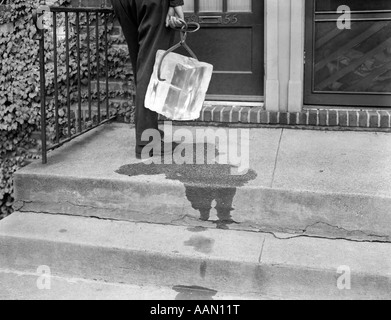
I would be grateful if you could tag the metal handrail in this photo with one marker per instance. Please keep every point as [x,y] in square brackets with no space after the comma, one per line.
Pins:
[40,36]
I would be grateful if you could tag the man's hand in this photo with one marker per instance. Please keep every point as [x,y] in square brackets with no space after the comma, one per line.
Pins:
[173,17]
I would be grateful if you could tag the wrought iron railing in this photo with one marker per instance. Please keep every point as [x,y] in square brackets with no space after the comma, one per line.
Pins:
[78,38]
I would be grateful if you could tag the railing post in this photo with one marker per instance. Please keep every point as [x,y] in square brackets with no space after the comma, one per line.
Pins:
[40,36]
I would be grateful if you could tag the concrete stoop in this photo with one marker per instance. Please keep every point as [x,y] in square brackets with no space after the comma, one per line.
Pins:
[246,264]
[312,212]
[326,184]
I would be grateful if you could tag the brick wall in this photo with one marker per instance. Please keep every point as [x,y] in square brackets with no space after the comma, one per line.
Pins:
[311,118]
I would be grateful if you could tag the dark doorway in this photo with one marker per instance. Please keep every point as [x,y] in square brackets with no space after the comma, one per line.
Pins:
[232,39]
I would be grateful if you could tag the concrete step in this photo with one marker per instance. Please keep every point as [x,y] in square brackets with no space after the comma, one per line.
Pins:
[236,263]
[327,184]
[16,285]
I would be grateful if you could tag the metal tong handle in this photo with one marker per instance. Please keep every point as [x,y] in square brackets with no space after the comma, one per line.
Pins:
[184,30]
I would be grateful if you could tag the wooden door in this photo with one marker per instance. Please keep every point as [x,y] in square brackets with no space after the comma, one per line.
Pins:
[348,64]
[232,39]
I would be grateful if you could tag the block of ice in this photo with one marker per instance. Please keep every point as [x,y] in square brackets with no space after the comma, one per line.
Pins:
[182,95]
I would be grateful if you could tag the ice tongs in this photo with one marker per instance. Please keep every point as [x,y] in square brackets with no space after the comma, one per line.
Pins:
[184,30]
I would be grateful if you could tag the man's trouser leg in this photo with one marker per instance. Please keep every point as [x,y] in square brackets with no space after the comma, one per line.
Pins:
[143,24]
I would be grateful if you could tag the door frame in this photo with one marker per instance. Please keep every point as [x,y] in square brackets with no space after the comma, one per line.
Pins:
[311,97]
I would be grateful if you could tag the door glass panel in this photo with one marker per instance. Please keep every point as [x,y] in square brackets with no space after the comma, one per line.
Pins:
[239,5]
[356,60]
[189,6]
[211,5]
[354,5]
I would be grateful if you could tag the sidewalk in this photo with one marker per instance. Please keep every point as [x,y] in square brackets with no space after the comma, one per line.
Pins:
[23,286]
[327,184]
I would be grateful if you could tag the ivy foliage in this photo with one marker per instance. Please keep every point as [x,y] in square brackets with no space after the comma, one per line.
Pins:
[20,91]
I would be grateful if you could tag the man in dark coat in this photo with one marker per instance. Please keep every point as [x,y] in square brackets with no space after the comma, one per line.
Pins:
[147,27]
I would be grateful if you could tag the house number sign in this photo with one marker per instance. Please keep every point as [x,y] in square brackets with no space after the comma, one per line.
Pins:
[223,19]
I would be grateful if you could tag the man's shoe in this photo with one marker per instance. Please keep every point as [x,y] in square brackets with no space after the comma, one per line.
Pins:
[165,149]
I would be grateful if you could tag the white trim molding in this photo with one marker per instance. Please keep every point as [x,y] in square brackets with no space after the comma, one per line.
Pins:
[284,55]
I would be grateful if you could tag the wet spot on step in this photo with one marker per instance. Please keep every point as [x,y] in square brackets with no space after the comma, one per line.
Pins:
[197,229]
[201,244]
[208,182]
[63,231]
[203,268]
[194,293]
